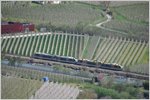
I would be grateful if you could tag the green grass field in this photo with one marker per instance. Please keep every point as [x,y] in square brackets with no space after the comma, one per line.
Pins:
[37,75]
[132,19]
[58,15]
[18,88]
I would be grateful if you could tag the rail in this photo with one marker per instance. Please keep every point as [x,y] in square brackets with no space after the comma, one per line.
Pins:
[91,69]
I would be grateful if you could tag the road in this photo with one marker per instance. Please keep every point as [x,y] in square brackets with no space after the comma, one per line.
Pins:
[109,18]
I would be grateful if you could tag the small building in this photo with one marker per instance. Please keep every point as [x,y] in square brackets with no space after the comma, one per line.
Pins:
[45,79]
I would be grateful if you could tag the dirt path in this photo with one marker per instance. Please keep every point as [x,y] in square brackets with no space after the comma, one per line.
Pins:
[105,28]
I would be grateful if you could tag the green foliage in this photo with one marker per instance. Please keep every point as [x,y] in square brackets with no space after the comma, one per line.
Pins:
[146,85]
[38,75]
[79,27]
[87,94]
[107,92]
[132,91]
[125,95]
[12,61]
[63,14]
[132,19]
[116,91]
[146,95]
[101,91]
[18,88]
[119,87]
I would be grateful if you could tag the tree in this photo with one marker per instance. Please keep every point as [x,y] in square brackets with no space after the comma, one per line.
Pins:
[146,85]
[12,61]
[3,56]
[18,61]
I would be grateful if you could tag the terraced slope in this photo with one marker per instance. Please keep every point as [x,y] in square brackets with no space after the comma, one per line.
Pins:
[57,44]
[126,52]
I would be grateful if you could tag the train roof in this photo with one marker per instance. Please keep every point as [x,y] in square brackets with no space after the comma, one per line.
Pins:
[43,53]
[54,55]
[10,23]
[67,57]
[117,65]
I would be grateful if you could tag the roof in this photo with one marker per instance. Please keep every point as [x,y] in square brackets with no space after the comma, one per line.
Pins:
[8,23]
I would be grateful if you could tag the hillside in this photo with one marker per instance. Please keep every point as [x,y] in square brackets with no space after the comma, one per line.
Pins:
[68,14]
[81,17]
[132,19]
[123,51]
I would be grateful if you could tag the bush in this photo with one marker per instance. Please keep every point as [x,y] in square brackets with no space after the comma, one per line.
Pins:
[125,95]
[107,92]
[117,91]
[146,95]
[146,85]
[119,87]
[87,94]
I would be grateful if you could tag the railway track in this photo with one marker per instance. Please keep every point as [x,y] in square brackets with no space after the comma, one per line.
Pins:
[90,69]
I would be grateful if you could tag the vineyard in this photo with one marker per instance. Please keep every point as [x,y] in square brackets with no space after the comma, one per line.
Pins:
[69,14]
[104,32]
[29,83]
[56,91]
[38,75]
[132,19]
[24,88]
[126,52]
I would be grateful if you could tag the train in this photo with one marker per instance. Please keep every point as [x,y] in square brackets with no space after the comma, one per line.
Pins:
[72,60]
[16,27]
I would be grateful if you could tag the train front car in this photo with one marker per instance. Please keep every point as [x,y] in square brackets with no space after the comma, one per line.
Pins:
[117,67]
[36,56]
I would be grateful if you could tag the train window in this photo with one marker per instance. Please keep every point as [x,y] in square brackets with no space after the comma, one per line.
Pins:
[107,65]
[92,63]
[71,59]
[36,54]
[117,66]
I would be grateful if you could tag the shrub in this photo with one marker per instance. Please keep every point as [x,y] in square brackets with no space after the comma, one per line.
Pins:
[146,95]
[87,94]
[125,95]
[107,92]
[146,85]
